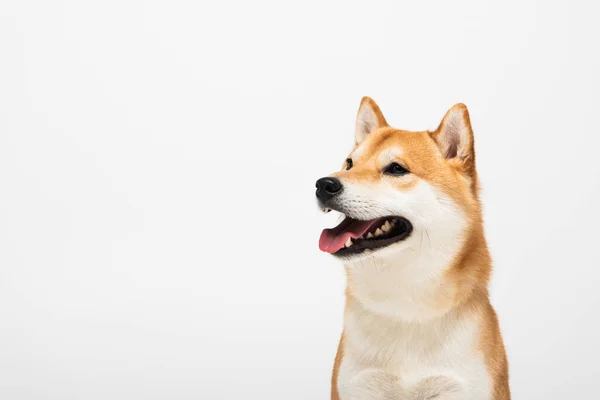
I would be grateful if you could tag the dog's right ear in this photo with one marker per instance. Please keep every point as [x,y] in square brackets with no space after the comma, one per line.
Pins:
[368,120]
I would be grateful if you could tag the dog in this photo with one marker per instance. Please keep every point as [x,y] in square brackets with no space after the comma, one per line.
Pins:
[418,323]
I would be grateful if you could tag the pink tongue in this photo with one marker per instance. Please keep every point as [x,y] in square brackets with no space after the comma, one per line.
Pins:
[334,239]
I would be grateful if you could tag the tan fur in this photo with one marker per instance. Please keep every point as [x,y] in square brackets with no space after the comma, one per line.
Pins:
[336,369]
[463,291]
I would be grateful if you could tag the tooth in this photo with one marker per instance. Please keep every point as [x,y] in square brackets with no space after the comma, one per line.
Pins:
[369,235]
[378,232]
[348,242]
[386,226]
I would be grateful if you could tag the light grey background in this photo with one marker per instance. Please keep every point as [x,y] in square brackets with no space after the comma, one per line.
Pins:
[158,232]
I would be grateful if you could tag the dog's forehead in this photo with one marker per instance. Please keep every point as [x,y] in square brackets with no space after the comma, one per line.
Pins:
[385,145]
[368,147]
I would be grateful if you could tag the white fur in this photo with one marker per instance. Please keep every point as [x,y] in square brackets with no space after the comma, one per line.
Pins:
[390,155]
[438,227]
[398,343]
[410,359]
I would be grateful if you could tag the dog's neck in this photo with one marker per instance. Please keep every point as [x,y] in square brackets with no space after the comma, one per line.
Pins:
[422,281]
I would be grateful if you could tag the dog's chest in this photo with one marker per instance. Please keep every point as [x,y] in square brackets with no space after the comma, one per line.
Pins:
[414,352]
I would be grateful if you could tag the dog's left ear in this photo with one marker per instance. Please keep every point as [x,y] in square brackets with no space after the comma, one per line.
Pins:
[454,138]
[368,119]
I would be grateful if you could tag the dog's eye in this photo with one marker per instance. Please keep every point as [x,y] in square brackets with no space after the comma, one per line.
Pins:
[395,169]
[348,163]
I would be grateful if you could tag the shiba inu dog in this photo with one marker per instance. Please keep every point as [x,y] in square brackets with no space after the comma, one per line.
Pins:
[418,323]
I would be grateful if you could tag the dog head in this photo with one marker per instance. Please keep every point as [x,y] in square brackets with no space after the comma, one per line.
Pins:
[397,186]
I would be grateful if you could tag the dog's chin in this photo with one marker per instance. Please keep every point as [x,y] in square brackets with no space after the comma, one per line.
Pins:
[355,239]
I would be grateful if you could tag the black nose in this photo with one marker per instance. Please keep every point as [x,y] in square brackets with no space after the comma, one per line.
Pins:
[328,187]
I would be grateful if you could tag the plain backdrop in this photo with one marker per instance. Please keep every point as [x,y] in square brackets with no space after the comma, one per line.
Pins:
[158,229]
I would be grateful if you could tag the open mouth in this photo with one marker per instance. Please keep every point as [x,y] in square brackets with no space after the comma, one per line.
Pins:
[353,236]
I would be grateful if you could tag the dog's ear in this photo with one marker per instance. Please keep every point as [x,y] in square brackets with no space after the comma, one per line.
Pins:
[454,138]
[368,119]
